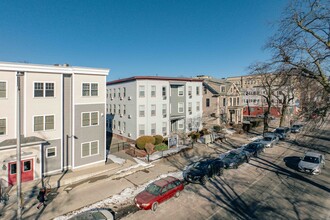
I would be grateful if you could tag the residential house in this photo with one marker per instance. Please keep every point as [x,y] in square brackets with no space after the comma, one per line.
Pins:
[150,105]
[222,103]
[62,118]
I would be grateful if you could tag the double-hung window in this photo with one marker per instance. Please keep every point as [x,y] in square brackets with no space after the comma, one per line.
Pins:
[124,91]
[51,152]
[190,107]
[124,109]
[190,91]
[42,89]
[207,102]
[180,90]
[180,107]
[153,129]
[141,110]
[164,128]
[180,124]
[90,89]
[89,148]
[141,91]
[3,126]
[153,91]
[90,119]
[43,123]
[197,90]
[3,89]
[141,129]
[164,110]
[198,106]
[164,92]
[153,110]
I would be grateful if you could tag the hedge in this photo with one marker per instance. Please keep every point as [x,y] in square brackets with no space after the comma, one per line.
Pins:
[161,147]
[158,139]
[141,141]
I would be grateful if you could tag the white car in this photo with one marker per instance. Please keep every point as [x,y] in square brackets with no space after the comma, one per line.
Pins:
[269,140]
[312,163]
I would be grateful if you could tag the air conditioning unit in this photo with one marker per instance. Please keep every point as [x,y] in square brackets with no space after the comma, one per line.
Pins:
[121,115]
[129,134]
[129,116]
[120,132]
[121,98]
[164,97]
[111,98]
[164,116]
[190,112]
[129,97]
[190,96]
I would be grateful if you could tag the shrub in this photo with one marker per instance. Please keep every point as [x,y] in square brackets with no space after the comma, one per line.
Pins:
[194,136]
[150,148]
[217,128]
[158,139]
[203,132]
[161,147]
[143,140]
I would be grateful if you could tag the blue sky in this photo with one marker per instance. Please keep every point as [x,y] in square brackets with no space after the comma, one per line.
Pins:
[140,37]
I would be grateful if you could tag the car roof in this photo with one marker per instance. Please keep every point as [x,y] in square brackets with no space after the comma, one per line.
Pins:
[164,181]
[312,154]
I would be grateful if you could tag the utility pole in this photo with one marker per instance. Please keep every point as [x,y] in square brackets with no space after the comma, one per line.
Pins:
[18,148]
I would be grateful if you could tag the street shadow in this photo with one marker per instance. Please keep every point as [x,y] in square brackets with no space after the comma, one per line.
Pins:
[292,162]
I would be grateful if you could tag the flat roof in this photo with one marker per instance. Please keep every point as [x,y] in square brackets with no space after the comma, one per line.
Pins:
[56,68]
[164,78]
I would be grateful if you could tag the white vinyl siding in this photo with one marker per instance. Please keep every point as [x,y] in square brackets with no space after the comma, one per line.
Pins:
[89,119]
[89,149]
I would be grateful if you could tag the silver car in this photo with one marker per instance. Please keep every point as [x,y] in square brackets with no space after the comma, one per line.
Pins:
[269,140]
[312,163]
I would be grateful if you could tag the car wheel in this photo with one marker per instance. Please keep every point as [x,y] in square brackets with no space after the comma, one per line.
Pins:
[177,194]
[256,154]
[263,150]
[154,206]
[235,166]
[220,172]
[203,180]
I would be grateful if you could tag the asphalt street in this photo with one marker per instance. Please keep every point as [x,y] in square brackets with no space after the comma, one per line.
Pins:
[269,187]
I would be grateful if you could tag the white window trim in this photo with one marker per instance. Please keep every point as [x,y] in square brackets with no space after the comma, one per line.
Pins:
[44,124]
[44,90]
[90,119]
[6,97]
[90,148]
[90,89]
[179,107]
[47,152]
[144,90]
[6,131]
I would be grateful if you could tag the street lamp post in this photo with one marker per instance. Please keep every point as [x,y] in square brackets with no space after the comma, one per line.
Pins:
[18,148]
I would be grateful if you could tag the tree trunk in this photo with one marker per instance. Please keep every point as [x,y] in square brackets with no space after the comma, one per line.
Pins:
[283,113]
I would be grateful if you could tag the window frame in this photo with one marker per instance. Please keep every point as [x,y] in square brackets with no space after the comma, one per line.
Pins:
[153,110]
[179,107]
[207,102]
[144,129]
[90,90]
[6,89]
[90,148]
[47,156]
[153,91]
[43,123]
[90,119]
[180,89]
[142,89]
[6,126]
[144,111]
[44,89]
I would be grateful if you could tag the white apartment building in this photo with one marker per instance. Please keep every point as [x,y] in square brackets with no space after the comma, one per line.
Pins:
[62,118]
[148,105]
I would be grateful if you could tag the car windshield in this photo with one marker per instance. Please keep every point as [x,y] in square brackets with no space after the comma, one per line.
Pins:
[199,165]
[231,155]
[279,131]
[267,138]
[251,146]
[311,159]
[296,126]
[153,189]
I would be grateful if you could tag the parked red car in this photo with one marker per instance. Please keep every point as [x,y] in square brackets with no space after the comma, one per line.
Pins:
[158,192]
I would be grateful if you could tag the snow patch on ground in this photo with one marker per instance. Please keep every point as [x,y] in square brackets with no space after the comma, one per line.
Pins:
[256,138]
[124,197]
[116,159]
[228,131]
[160,154]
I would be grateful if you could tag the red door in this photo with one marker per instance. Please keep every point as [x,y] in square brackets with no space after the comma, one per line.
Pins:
[26,168]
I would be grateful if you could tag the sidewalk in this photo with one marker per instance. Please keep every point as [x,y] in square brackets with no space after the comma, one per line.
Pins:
[67,183]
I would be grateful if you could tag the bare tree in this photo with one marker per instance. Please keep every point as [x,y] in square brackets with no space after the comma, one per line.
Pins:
[302,43]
